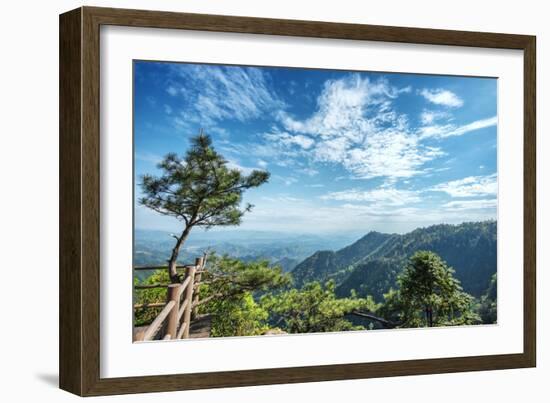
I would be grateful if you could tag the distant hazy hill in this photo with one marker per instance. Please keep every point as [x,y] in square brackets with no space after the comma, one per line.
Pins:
[284,249]
[371,265]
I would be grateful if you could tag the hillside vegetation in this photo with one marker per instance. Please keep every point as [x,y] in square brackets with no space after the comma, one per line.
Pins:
[371,265]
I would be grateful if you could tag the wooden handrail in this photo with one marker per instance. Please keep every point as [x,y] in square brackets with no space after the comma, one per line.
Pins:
[185,283]
[154,327]
[173,295]
[159,267]
[182,330]
[200,263]
[175,309]
[149,286]
[149,305]
[189,300]
[182,308]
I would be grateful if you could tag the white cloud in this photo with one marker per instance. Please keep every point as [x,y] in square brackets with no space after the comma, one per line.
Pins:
[272,152]
[289,140]
[332,150]
[308,171]
[283,199]
[341,106]
[214,93]
[449,130]
[383,196]
[356,126]
[478,124]
[231,164]
[461,205]
[470,186]
[427,117]
[220,131]
[286,180]
[172,90]
[389,153]
[262,163]
[440,96]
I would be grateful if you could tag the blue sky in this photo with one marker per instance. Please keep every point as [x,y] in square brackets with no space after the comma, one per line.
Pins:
[347,151]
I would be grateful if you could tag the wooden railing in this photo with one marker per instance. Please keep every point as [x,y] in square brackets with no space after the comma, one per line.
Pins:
[182,300]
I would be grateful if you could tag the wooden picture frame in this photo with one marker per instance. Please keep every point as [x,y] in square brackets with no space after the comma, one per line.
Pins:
[79,346]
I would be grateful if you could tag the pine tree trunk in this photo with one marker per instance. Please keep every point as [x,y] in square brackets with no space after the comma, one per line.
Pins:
[172,263]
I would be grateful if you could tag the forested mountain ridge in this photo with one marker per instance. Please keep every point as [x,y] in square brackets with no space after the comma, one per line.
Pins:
[370,266]
[326,264]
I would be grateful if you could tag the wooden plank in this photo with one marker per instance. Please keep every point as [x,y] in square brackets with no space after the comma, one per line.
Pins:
[530,203]
[199,262]
[154,327]
[70,208]
[189,299]
[90,217]
[179,267]
[173,295]
[184,284]
[148,286]
[182,330]
[149,305]
[182,308]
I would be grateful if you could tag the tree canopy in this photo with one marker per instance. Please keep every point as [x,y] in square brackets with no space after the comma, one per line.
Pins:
[428,295]
[314,308]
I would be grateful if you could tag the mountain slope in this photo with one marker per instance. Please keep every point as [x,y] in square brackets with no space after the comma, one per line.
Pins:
[371,265]
[323,265]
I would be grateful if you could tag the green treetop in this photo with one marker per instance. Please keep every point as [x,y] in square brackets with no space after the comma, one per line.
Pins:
[428,295]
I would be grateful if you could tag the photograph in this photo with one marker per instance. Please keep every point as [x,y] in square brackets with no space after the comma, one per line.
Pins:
[270,201]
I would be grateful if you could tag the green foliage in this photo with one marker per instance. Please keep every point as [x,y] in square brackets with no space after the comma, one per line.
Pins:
[428,295]
[238,315]
[199,189]
[372,277]
[229,286]
[314,308]
[488,303]
[393,308]
[145,316]
[249,298]
[228,276]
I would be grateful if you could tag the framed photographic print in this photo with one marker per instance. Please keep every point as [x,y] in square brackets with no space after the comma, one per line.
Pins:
[249,201]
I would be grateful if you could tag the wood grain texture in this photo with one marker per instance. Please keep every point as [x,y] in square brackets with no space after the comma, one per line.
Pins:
[80,195]
[70,275]
[530,202]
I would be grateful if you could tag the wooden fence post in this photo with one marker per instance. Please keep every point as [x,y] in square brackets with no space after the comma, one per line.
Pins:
[173,293]
[189,299]
[199,263]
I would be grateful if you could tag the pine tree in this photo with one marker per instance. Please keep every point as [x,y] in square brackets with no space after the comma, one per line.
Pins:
[429,295]
[200,190]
